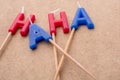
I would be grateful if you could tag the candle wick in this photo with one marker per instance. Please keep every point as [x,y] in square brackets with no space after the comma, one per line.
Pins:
[56,10]
[30,20]
[22,11]
[78,3]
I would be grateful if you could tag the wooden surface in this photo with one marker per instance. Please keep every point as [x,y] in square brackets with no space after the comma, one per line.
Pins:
[97,50]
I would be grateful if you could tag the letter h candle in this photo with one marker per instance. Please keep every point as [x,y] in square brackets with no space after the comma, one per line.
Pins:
[17,23]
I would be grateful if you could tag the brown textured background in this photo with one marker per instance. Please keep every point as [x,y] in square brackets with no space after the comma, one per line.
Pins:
[97,50]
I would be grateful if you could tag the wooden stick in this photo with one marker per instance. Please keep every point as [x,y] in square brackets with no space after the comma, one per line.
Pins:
[68,56]
[63,56]
[5,42]
[56,58]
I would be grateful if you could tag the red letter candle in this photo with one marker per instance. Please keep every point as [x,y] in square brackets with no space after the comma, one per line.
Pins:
[55,23]
[17,23]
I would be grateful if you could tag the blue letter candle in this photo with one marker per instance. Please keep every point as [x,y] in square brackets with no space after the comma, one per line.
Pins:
[81,18]
[37,34]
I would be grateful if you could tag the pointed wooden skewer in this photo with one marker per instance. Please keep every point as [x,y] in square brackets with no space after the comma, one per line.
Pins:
[56,57]
[5,43]
[7,39]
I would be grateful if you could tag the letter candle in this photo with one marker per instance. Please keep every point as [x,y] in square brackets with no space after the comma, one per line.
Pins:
[17,23]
